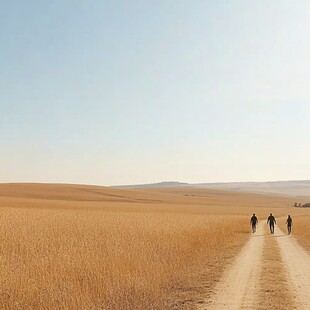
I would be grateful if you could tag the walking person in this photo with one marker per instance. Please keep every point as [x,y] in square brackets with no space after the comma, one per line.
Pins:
[253,222]
[289,223]
[271,221]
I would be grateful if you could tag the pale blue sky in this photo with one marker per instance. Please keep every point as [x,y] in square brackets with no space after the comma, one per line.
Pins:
[122,92]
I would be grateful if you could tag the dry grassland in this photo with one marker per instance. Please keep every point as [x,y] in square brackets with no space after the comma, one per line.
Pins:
[75,247]
[301,226]
[86,259]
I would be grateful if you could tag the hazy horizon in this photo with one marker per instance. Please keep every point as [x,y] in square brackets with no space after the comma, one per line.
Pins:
[122,92]
[160,182]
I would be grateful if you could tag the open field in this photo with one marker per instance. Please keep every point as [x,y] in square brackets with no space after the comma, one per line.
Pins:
[83,247]
[301,226]
[301,229]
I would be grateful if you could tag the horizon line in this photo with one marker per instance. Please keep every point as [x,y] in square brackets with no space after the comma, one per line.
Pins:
[154,183]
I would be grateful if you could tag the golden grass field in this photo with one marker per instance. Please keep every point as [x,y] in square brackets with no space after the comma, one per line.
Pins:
[301,226]
[88,247]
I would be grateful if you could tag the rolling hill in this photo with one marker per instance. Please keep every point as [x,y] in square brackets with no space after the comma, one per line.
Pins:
[298,188]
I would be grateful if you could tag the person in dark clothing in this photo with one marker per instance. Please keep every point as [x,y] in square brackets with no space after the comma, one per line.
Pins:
[289,223]
[271,221]
[253,222]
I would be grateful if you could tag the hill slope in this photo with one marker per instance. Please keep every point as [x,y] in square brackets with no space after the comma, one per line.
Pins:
[291,188]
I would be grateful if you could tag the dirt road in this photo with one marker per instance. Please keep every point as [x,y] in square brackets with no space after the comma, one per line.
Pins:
[243,284]
[297,263]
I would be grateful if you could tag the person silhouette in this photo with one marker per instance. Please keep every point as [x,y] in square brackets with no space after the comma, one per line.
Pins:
[289,223]
[253,222]
[271,221]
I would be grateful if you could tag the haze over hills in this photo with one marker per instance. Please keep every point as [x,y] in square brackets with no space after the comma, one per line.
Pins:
[159,184]
[298,188]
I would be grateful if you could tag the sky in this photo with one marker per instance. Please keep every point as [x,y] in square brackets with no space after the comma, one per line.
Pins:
[141,91]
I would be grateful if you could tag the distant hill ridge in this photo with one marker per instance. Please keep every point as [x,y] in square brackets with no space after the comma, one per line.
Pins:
[299,188]
[159,184]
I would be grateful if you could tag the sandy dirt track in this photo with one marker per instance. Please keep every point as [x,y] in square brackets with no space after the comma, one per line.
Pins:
[240,287]
[297,263]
